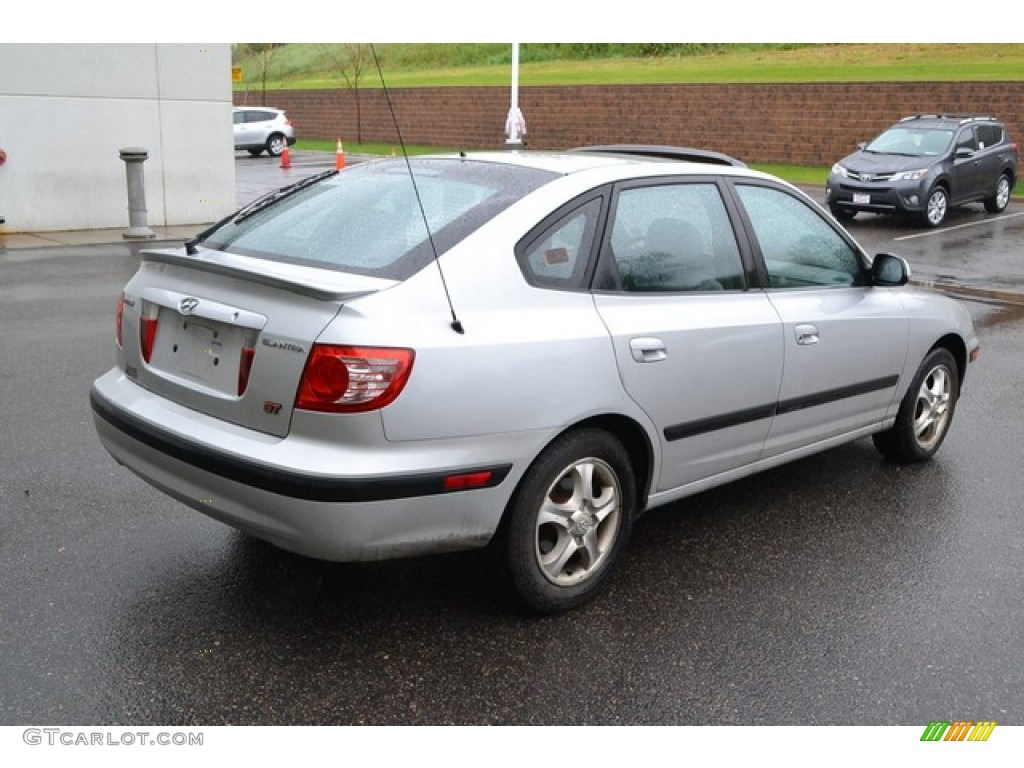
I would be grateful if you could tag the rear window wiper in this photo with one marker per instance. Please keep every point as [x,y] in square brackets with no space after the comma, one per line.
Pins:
[257,205]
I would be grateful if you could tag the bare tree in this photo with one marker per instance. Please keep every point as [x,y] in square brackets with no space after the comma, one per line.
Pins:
[349,61]
[264,54]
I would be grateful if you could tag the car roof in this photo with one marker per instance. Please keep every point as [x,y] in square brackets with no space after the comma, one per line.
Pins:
[611,158]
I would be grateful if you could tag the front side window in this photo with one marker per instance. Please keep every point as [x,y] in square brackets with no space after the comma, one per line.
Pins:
[965,139]
[671,237]
[799,247]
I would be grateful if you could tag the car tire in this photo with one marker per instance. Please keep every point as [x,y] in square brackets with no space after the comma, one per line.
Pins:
[276,145]
[256,152]
[936,207]
[567,523]
[926,412]
[998,202]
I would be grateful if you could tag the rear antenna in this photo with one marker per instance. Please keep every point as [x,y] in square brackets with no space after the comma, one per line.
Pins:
[456,324]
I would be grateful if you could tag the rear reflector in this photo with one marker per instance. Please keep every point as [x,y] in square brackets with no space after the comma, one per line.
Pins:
[147,328]
[343,379]
[248,353]
[472,480]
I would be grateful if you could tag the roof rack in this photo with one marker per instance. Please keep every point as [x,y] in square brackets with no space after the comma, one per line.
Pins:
[687,154]
[963,118]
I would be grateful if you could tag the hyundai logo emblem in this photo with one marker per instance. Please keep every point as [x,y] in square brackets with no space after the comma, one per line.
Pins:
[188,305]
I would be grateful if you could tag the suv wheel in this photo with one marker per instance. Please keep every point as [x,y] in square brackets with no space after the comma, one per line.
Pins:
[276,145]
[937,206]
[998,202]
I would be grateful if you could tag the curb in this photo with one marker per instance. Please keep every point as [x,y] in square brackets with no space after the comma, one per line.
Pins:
[967,292]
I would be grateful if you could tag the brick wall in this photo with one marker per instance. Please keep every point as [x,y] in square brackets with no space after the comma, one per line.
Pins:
[801,124]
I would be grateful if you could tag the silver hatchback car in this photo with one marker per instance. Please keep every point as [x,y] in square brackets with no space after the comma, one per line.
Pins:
[520,350]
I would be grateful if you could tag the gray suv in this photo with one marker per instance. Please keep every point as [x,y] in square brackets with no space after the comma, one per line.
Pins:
[259,129]
[925,164]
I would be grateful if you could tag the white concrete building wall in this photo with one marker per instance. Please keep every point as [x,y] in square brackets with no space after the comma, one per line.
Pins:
[66,110]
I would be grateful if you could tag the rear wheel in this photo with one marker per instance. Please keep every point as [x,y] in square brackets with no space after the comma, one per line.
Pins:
[998,202]
[937,206]
[256,152]
[568,522]
[925,413]
[276,145]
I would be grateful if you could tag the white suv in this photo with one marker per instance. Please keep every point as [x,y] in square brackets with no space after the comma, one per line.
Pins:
[262,128]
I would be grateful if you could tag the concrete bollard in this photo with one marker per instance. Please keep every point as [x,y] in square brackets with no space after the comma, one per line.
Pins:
[133,158]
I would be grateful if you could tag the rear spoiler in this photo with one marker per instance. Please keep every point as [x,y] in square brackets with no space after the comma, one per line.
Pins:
[321,283]
[686,154]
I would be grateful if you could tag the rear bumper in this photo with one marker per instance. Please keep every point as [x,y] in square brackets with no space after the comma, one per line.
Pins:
[265,486]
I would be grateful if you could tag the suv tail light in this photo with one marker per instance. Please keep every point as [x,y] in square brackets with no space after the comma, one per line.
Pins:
[343,379]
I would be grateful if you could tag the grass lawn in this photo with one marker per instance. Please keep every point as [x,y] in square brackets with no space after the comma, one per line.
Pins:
[312,65]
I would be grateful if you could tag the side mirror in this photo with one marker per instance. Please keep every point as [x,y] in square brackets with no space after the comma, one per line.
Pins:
[861,145]
[962,153]
[889,270]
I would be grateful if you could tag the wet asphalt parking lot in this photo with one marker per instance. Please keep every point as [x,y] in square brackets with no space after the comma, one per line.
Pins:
[837,590]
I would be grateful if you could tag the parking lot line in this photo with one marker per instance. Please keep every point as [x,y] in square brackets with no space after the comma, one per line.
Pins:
[958,226]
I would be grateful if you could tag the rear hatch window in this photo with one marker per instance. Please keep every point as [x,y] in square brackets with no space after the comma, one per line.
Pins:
[377,219]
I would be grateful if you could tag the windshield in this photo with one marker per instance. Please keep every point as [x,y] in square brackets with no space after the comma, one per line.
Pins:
[915,142]
[367,219]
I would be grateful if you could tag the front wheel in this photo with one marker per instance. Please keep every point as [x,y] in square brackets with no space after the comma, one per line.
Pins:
[936,208]
[568,522]
[998,202]
[925,413]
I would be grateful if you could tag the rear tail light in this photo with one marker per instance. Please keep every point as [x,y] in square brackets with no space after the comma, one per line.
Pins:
[343,379]
[147,328]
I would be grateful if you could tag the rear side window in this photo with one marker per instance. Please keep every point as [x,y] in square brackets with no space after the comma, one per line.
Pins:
[372,220]
[989,135]
[559,256]
[671,238]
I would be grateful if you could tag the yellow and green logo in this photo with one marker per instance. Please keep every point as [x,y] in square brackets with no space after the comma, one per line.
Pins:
[958,730]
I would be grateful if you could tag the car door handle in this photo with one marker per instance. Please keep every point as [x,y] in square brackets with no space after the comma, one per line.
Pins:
[647,349]
[806,334]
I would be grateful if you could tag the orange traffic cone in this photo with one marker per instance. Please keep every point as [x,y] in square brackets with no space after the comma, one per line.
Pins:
[339,159]
[286,159]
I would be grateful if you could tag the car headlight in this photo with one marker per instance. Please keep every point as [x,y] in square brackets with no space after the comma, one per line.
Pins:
[838,170]
[911,175]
